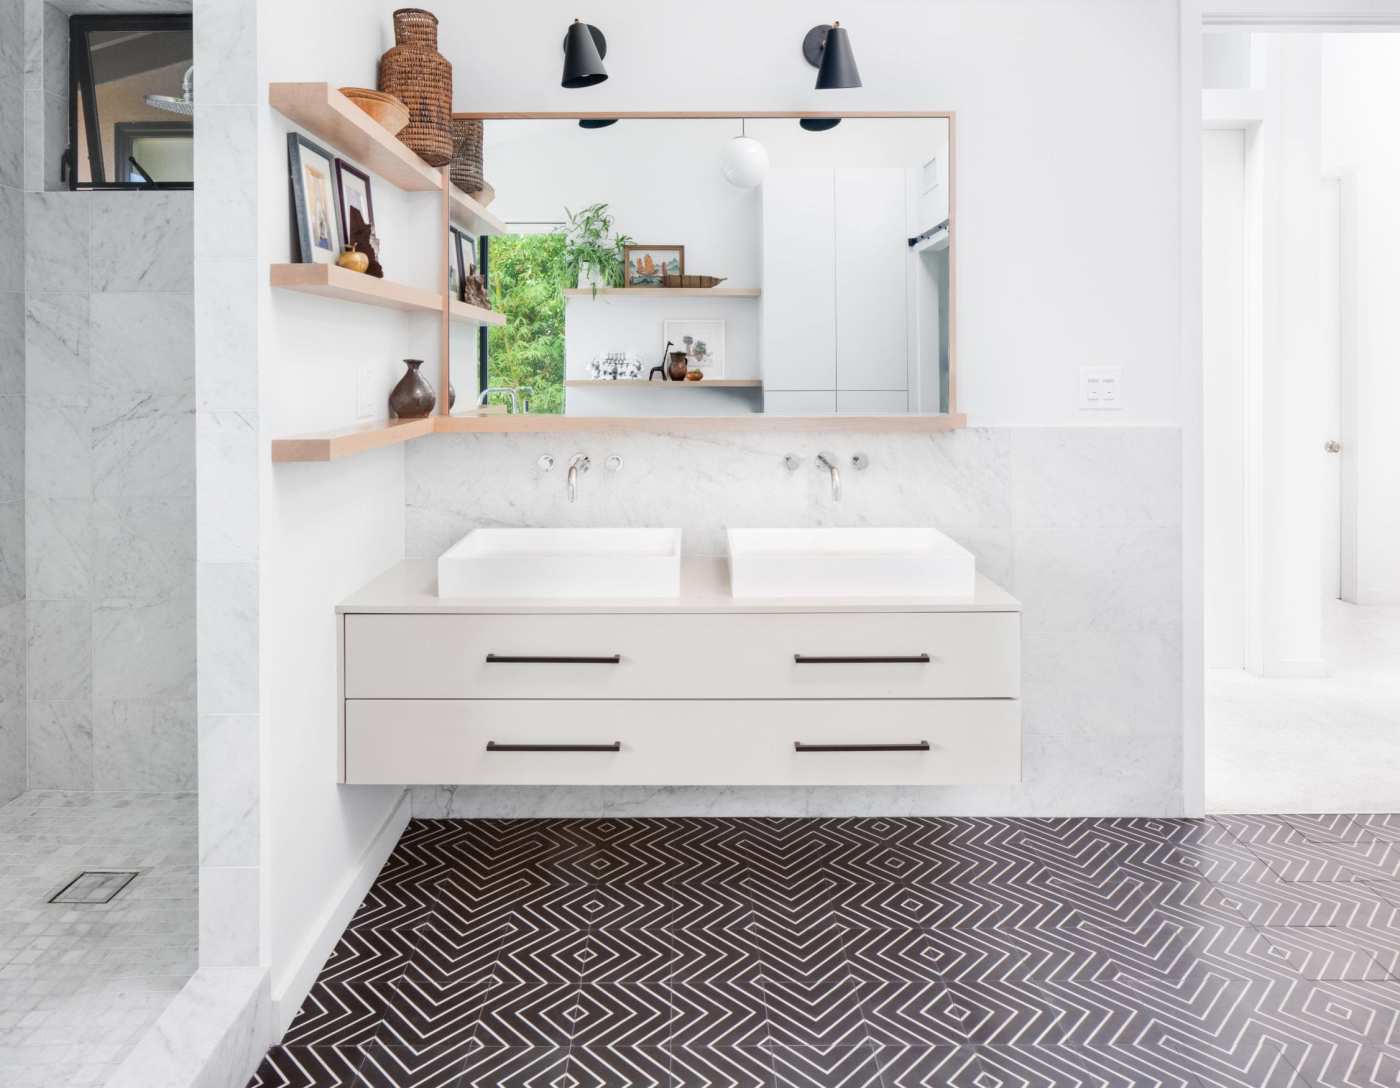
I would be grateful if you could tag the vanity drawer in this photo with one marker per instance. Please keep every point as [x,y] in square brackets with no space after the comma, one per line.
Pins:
[701,742]
[865,655]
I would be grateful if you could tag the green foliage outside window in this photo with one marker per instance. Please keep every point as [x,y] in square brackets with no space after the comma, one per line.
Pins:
[528,275]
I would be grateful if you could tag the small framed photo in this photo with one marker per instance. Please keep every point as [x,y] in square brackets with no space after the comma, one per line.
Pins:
[314,203]
[354,193]
[643,266]
[702,339]
[461,260]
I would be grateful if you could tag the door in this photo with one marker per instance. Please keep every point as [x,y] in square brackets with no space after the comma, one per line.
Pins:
[1224,315]
[1333,450]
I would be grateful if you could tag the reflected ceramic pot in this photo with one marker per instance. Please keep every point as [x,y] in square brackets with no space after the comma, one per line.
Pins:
[680,363]
[413,397]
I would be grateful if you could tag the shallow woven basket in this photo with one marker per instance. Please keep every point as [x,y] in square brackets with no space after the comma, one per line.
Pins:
[420,77]
[467,167]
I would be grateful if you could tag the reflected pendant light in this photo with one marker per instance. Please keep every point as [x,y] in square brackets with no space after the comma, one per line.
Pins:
[828,49]
[745,160]
[584,50]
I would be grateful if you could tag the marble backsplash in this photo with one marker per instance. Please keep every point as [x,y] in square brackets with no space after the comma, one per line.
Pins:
[1082,524]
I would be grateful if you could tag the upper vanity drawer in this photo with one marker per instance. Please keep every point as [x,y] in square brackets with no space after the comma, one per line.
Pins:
[905,655]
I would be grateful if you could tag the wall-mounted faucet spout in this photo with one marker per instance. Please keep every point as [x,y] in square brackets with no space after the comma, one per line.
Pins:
[828,461]
[579,462]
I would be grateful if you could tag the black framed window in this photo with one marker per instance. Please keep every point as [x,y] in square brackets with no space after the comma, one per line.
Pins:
[130,102]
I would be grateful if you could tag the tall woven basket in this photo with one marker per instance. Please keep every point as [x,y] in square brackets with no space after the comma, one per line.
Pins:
[467,168]
[414,72]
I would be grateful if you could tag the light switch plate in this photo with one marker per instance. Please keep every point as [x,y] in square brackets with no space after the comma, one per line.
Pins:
[364,391]
[1100,388]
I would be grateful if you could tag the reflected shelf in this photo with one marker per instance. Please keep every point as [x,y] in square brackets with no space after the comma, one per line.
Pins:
[633,383]
[665,292]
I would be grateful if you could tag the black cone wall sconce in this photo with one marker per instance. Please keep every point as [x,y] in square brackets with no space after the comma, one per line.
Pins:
[584,50]
[828,49]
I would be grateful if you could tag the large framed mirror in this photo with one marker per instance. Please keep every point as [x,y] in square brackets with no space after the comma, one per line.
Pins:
[803,266]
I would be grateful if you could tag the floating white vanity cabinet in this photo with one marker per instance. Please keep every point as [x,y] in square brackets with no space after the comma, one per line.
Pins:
[701,689]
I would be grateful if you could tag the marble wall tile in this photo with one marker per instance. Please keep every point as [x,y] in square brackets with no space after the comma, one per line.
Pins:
[57,249]
[225,335]
[1095,477]
[56,344]
[13,636]
[143,548]
[142,343]
[60,549]
[1101,580]
[142,446]
[12,413]
[142,241]
[228,638]
[60,651]
[225,42]
[228,181]
[228,789]
[34,134]
[143,649]
[55,46]
[54,140]
[12,568]
[14,752]
[12,39]
[11,126]
[57,448]
[12,226]
[227,452]
[60,745]
[228,916]
[11,343]
[144,745]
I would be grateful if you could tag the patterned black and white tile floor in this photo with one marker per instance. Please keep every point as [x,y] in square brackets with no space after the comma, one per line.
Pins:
[1254,951]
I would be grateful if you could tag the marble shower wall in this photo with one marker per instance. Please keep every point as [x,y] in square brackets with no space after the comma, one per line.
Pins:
[12,625]
[109,490]
[1083,524]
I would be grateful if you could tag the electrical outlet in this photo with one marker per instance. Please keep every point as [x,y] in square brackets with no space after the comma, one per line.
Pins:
[1100,388]
[365,396]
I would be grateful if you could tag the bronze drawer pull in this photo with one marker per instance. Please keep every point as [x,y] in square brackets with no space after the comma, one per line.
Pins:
[915,659]
[615,746]
[509,659]
[921,746]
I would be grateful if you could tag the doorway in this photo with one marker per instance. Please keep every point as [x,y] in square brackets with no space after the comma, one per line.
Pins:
[1301,557]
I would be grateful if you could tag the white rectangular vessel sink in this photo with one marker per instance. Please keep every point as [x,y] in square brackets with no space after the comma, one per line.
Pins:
[848,563]
[552,563]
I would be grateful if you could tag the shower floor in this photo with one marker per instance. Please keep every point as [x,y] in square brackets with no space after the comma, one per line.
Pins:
[81,983]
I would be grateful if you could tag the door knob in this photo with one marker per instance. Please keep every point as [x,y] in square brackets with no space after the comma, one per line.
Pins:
[1333,446]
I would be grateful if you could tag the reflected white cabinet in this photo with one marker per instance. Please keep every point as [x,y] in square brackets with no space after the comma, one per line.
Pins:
[798,339]
[835,289]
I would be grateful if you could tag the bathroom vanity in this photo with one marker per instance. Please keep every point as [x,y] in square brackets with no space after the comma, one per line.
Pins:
[699,688]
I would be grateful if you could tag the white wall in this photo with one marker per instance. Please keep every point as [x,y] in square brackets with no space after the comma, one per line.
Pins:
[1361,87]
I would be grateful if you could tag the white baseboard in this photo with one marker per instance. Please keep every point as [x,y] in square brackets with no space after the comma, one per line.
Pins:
[1282,670]
[291,989]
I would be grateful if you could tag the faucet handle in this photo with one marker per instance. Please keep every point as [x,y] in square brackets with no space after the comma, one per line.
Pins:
[826,459]
[580,461]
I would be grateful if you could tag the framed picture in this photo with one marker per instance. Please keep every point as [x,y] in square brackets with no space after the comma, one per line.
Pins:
[643,266]
[354,193]
[461,259]
[700,338]
[316,219]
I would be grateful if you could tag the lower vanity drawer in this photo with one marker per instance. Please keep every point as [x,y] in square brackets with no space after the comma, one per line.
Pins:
[711,742]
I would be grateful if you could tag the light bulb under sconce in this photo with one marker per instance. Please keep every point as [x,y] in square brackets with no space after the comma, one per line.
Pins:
[828,49]
[745,161]
[584,50]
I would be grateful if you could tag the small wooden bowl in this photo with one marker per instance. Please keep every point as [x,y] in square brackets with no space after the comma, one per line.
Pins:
[383,109]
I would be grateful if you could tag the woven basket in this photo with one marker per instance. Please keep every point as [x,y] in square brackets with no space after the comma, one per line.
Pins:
[420,77]
[466,155]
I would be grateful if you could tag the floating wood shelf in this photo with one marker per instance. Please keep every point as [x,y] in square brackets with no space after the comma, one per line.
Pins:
[476,315]
[332,281]
[325,112]
[632,383]
[665,292]
[333,445]
[471,215]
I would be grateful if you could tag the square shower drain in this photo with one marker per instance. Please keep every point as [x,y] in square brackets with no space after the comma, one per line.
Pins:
[94,887]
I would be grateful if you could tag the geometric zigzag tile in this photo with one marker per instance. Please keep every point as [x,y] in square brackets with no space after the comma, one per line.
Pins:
[1239,952]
